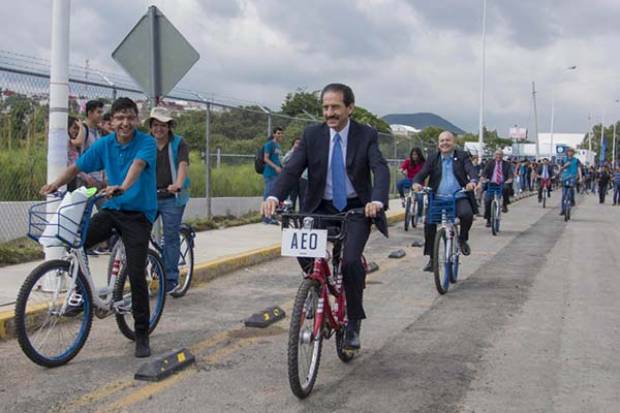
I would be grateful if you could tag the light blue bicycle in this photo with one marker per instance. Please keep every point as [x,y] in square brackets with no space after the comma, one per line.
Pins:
[55,306]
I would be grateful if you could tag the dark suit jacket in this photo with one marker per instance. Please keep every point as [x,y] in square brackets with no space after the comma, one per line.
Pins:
[363,156]
[464,171]
[490,168]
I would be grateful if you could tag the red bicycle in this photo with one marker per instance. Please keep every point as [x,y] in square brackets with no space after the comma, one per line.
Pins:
[319,311]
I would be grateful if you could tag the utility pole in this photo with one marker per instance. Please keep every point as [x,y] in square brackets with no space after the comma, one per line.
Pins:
[482,76]
[58,104]
[535,121]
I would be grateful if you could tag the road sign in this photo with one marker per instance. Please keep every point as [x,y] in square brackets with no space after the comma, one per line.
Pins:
[155,54]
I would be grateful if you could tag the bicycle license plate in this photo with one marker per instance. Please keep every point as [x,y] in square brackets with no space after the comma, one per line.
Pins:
[304,243]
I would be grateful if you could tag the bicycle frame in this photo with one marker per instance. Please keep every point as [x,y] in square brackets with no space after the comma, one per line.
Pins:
[322,274]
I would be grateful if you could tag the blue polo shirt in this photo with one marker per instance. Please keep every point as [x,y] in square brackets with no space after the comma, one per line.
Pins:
[571,171]
[115,158]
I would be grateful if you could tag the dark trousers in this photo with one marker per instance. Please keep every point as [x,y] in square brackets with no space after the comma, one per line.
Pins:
[617,193]
[465,215]
[134,229]
[353,273]
[602,192]
[488,199]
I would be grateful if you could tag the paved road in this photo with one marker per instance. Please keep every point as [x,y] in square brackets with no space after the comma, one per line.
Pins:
[532,326]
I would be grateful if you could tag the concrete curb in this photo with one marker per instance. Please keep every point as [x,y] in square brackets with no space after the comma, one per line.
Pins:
[203,272]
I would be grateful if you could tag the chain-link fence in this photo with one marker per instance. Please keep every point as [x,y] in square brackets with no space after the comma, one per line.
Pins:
[233,129]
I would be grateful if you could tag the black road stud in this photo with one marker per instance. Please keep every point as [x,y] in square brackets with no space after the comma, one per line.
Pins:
[397,254]
[162,366]
[417,243]
[372,267]
[265,318]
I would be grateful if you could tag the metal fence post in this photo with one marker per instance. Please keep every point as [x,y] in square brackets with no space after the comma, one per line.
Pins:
[218,160]
[208,161]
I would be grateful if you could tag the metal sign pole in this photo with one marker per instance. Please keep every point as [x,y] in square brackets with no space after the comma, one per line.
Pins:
[155,91]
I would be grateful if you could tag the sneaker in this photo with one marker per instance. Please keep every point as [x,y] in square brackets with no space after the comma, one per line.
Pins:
[429,266]
[465,249]
[504,209]
[171,286]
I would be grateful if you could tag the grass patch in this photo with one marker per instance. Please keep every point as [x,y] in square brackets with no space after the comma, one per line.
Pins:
[19,251]
[226,221]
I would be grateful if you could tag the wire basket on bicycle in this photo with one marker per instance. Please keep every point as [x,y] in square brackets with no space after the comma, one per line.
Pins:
[62,221]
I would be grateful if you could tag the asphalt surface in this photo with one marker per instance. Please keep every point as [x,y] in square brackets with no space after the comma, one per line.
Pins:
[532,326]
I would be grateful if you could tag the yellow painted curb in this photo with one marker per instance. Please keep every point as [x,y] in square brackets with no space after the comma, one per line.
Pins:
[203,272]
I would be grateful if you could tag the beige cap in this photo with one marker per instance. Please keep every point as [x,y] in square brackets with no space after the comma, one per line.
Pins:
[161,114]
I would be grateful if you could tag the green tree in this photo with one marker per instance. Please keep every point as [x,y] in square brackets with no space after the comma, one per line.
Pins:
[301,101]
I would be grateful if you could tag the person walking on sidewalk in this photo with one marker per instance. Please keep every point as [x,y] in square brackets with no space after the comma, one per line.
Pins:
[273,165]
[172,187]
[616,183]
[340,155]
[128,157]
[603,183]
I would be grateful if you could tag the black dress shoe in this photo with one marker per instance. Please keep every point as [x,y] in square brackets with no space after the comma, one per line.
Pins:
[352,335]
[488,224]
[464,247]
[142,346]
[429,266]
[504,209]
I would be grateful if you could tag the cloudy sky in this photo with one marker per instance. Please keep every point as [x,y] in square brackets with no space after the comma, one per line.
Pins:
[400,56]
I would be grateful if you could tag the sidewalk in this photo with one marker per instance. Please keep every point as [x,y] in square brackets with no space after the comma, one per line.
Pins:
[216,252]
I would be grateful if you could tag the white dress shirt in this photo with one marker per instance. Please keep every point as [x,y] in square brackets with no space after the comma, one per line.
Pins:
[344,136]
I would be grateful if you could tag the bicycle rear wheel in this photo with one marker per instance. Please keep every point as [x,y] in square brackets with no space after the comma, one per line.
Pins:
[544,198]
[442,265]
[304,350]
[454,270]
[186,263]
[407,213]
[49,335]
[156,284]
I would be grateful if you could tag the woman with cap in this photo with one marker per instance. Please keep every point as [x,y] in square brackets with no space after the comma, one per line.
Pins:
[172,186]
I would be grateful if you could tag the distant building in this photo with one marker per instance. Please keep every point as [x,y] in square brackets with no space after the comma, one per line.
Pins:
[419,121]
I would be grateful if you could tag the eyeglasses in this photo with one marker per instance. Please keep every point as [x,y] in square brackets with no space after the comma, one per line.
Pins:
[122,118]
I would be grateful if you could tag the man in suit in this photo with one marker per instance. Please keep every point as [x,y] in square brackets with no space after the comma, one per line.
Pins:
[544,173]
[340,155]
[498,172]
[449,170]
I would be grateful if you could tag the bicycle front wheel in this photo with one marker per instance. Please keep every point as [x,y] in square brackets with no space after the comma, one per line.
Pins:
[442,265]
[304,349]
[186,263]
[156,285]
[494,226]
[544,198]
[415,210]
[53,324]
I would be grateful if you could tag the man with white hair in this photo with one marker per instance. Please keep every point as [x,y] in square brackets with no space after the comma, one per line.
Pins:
[448,171]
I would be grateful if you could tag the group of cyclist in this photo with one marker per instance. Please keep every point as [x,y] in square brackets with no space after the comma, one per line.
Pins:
[146,177]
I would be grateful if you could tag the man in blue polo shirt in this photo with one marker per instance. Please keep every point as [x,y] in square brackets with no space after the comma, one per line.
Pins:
[129,158]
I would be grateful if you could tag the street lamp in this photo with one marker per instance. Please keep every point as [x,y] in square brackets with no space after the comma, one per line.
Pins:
[482,69]
[553,109]
[613,147]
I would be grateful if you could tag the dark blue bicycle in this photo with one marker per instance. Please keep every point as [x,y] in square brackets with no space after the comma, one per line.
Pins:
[446,251]
[495,191]
[568,197]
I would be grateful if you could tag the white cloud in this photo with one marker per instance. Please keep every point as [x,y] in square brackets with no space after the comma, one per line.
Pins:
[398,55]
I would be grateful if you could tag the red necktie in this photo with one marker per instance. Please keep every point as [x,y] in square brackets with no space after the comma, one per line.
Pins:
[498,172]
